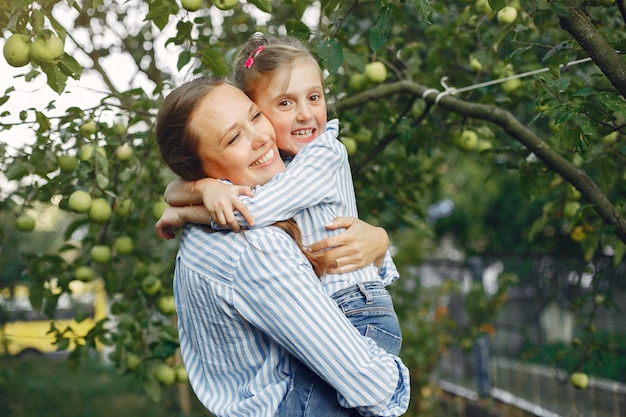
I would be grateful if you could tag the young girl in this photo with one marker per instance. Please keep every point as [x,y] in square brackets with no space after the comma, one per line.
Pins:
[283,78]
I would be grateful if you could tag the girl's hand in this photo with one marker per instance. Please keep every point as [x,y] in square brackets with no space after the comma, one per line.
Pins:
[358,246]
[221,200]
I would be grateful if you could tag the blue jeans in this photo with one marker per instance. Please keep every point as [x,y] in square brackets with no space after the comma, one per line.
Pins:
[369,308]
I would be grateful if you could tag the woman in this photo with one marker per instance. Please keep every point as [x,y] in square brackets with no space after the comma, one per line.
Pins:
[249,304]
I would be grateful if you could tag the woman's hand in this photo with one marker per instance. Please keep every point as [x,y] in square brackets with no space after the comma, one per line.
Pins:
[358,246]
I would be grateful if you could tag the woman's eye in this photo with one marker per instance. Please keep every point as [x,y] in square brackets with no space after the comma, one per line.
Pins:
[233,139]
[257,115]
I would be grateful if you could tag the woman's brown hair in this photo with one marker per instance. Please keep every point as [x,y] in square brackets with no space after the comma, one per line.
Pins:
[179,150]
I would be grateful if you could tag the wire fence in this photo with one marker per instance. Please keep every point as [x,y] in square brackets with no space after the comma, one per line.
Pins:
[563,316]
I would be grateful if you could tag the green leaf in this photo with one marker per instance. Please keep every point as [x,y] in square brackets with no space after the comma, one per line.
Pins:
[423,7]
[330,53]
[380,32]
[56,79]
[70,67]
[214,60]
[35,296]
[159,12]
[298,29]
[263,5]
[183,59]
[17,170]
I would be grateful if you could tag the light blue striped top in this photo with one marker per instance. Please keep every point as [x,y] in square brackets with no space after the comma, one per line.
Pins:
[248,301]
[316,187]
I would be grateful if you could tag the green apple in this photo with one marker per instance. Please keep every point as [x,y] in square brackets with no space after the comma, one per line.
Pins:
[88,128]
[119,128]
[124,245]
[84,273]
[376,72]
[151,285]
[466,344]
[572,193]
[124,152]
[17,50]
[579,380]
[507,15]
[166,304]
[46,52]
[25,223]
[467,140]
[363,135]
[225,4]
[350,144]
[357,82]
[123,207]
[67,163]
[511,85]
[158,208]
[192,5]
[599,299]
[80,201]
[132,361]
[181,374]
[482,6]
[610,138]
[165,374]
[101,254]
[100,210]
[86,153]
[570,208]
[475,64]
[483,145]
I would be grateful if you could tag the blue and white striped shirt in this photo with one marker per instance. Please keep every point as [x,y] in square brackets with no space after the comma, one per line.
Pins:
[316,187]
[246,303]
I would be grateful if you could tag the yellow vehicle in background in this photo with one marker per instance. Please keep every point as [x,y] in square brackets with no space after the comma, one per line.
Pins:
[27,332]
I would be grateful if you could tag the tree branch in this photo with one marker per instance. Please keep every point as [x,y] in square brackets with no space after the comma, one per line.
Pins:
[600,51]
[578,178]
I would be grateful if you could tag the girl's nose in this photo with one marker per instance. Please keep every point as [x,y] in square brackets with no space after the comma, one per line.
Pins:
[304,113]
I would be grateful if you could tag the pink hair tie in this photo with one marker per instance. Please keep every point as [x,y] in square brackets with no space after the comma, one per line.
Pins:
[253,55]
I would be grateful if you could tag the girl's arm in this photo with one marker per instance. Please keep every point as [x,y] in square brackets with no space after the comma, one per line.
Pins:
[175,217]
[313,177]
[219,199]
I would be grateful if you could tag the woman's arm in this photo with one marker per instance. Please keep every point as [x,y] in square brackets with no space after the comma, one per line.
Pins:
[282,297]
[361,244]
[175,217]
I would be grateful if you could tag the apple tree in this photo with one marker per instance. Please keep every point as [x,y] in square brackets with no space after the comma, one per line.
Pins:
[480,103]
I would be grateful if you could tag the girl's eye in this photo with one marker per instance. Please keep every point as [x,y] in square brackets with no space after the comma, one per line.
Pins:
[283,103]
[315,97]
[257,115]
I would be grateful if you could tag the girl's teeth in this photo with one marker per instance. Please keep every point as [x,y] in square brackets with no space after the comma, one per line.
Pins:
[303,133]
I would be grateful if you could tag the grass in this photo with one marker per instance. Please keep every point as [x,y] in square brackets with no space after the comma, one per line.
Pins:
[47,387]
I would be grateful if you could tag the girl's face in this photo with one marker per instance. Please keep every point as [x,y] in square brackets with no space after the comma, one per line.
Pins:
[293,100]
[235,140]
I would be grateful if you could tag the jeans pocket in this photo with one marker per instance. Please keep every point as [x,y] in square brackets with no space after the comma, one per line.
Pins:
[385,340]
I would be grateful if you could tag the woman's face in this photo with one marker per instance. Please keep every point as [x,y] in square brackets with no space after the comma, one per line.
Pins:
[235,141]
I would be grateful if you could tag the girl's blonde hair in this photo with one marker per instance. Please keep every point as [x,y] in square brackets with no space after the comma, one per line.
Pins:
[261,55]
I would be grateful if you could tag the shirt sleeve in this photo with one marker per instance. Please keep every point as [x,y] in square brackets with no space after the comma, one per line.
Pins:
[310,179]
[388,272]
[280,295]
